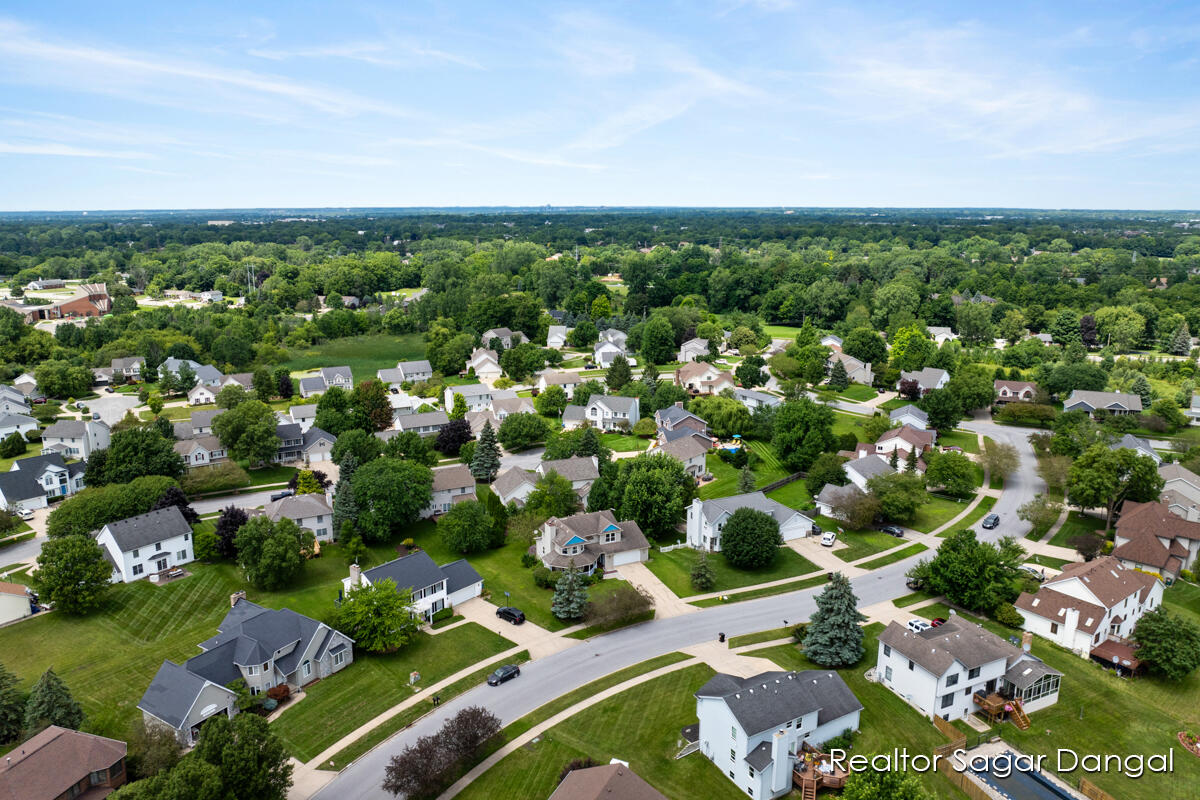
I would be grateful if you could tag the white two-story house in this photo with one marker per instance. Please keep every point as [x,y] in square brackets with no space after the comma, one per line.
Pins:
[31,483]
[450,485]
[147,544]
[311,511]
[609,412]
[753,728]
[706,518]
[568,381]
[945,671]
[433,588]
[75,438]
[484,363]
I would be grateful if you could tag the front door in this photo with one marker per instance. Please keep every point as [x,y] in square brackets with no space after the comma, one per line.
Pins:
[160,565]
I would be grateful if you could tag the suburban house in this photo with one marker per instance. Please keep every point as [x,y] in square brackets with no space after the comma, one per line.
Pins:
[243,379]
[566,380]
[478,396]
[1091,608]
[327,378]
[514,485]
[701,378]
[861,470]
[909,415]
[581,471]
[691,350]
[1112,402]
[212,296]
[1138,445]
[507,338]
[75,438]
[485,364]
[677,417]
[607,782]
[591,541]
[433,587]
[504,407]
[688,450]
[610,412]
[834,343]
[201,451]
[13,401]
[147,544]
[413,371]
[428,423]
[605,352]
[754,728]
[32,482]
[128,368]
[856,371]
[556,336]
[62,763]
[706,518]
[202,420]
[1014,391]
[1181,491]
[15,603]
[263,647]
[43,284]
[291,443]
[958,668]
[303,415]
[927,379]
[752,399]
[831,496]
[1149,537]
[904,439]
[617,337]
[205,373]
[89,300]
[1192,412]
[941,335]
[202,395]
[404,404]
[450,485]
[311,511]
[16,423]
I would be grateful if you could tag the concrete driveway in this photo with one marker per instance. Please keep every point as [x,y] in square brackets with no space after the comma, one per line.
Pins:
[29,549]
[112,407]
[537,640]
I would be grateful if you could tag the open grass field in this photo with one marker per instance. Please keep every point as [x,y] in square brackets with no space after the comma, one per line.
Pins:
[363,354]
[372,684]
[887,721]
[965,439]
[1076,524]
[675,569]
[1184,599]
[938,511]
[781,331]
[640,726]
[793,495]
[768,470]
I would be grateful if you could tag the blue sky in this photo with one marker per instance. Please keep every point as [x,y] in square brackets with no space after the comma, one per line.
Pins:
[178,105]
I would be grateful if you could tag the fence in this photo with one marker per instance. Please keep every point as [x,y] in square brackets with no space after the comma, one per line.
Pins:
[668,548]
[949,731]
[968,785]
[795,476]
[1093,791]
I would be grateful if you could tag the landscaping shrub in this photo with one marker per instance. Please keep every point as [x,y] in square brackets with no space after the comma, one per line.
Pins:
[1007,614]
[735,458]
[843,741]
[445,613]
[1186,575]
[574,764]
[619,607]
[544,577]
[528,560]
[279,693]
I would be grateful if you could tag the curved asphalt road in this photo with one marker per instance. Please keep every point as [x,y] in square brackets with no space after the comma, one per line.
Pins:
[553,676]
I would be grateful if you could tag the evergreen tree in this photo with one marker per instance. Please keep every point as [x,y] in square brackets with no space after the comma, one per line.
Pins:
[1141,387]
[12,707]
[485,463]
[570,595]
[838,379]
[1181,341]
[345,507]
[910,463]
[618,374]
[51,703]
[283,383]
[894,459]
[650,379]
[460,407]
[704,577]
[589,444]
[745,481]
[833,637]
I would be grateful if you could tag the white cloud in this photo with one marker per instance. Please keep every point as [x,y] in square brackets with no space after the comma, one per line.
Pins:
[390,53]
[59,149]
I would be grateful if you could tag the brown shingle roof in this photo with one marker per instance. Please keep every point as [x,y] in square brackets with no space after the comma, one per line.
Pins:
[1107,578]
[452,478]
[50,763]
[1155,518]
[1053,606]
[609,782]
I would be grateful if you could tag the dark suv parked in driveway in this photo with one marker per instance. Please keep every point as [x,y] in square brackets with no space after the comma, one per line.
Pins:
[514,615]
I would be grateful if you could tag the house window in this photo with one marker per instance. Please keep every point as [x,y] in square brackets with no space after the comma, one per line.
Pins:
[948,700]
[973,674]
[158,547]
[98,777]
[306,668]
[338,658]
[951,680]
[1054,627]
[910,665]
[610,537]
[137,569]
[887,649]
[185,536]
[732,754]
[183,555]
[252,669]
[135,553]
[887,673]
[967,692]
[733,733]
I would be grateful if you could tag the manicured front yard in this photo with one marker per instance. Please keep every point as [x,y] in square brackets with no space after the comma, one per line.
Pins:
[765,591]
[640,726]
[858,393]
[938,511]
[965,439]
[864,543]
[1077,523]
[894,556]
[363,354]
[675,569]
[849,423]
[372,684]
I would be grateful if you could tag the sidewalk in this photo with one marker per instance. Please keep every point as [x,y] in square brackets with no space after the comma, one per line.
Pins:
[666,603]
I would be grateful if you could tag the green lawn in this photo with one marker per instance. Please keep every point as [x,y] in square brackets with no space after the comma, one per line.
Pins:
[858,393]
[640,726]
[938,511]
[769,470]
[864,543]
[1048,561]
[766,591]
[781,331]
[1076,524]
[363,354]
[372,684]
[887,722]
[894,403]
[760,637]
[981,511]
[623,443]
[912,599]
[1184,598]
[675,569]
[849,423]
[894,556]
[965,439]
[31,449]
[793,495]
[935,610]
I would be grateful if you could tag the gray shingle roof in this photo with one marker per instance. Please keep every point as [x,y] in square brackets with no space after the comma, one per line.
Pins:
[17,485]
[760,397]
[204,418]
[412,367]
[909,410]
[471,389]
[66,429]
[408,422]
[303,411]
[926,378]
[298,506]
[512,479]
[573,413]
[869,467]
[310,385]
[390,375]
[760,757]
[453,477]
[329,373]
[624,405]
[16,420]
[713,509]
[313,435]
[146,529]
[1095,400]
[171,694]
[769,699]
[576,468]
[459,575]
[414,571]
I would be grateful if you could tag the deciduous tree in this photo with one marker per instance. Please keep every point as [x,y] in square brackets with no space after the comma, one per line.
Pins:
[72,574]
[379,617]
[750,539]
[1169,643]
[1104,478]
[390,494]
[272,554]
[803,430]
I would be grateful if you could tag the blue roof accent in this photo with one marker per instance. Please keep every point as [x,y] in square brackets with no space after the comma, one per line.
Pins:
[577,540]
[611,528]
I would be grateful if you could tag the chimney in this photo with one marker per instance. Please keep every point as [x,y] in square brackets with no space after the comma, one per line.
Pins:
[781,763]
[679,404]
[233,598]
[355,575]
[1027,641]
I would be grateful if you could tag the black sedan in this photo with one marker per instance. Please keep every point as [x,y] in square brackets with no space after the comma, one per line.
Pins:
[514,615]
[991,521]
[505,673]
[892,530]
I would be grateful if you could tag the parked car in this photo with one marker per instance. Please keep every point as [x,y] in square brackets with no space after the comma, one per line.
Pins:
[1034,573]
[505,673]
[514,615]
[953,448]
[991,521]
[95,415]
[892,530]
[918,625]
[109,389]
[936,621]
[281,495]
[25,514]
[915,584]
[828,538]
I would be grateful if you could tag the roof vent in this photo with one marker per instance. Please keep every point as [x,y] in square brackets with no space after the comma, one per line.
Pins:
[1036,600]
